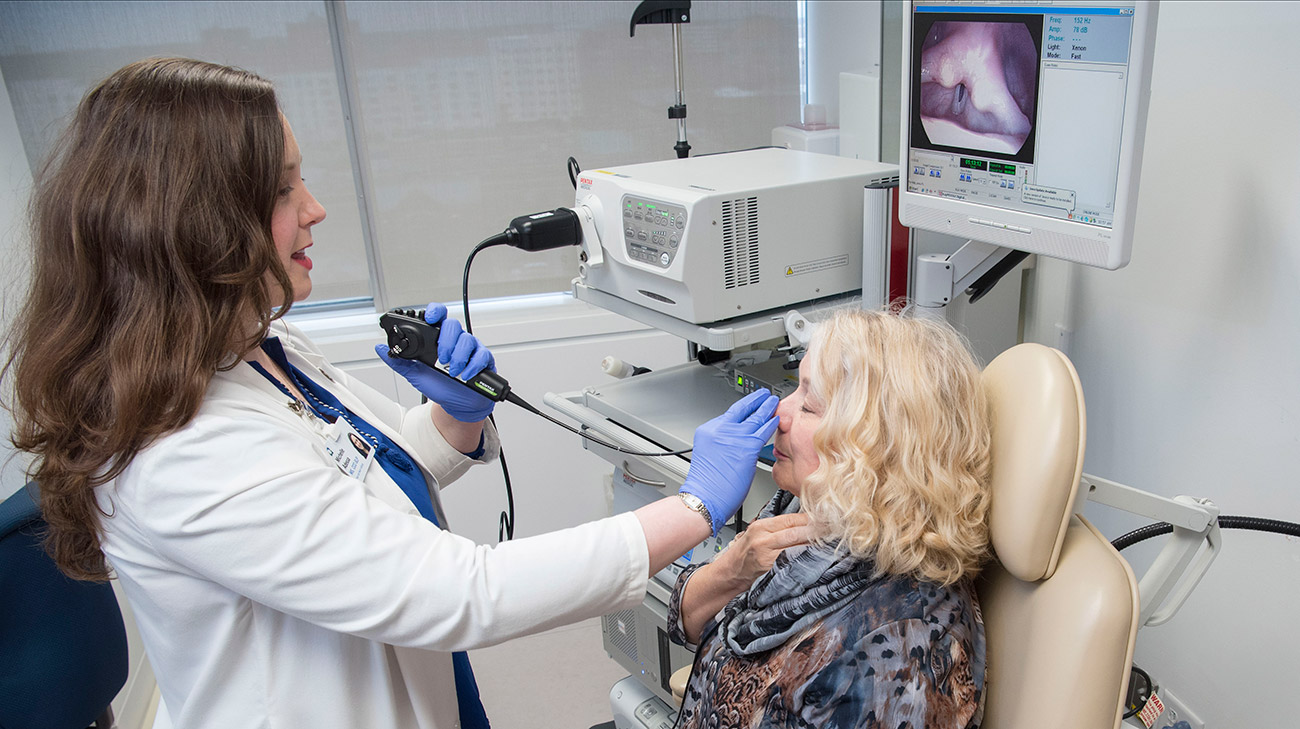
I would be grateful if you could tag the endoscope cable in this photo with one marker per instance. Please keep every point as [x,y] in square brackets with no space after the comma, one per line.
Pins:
[506,525]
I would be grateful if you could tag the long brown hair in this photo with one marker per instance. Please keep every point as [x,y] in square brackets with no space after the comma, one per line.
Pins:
[151,236]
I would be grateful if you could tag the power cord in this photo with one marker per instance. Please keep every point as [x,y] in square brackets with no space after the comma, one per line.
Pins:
[574,171]
[1139,693]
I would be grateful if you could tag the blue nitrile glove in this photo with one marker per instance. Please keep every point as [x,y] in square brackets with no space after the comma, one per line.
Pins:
[726,453]
[463,356]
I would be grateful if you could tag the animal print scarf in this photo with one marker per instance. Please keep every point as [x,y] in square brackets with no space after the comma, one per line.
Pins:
[804,584]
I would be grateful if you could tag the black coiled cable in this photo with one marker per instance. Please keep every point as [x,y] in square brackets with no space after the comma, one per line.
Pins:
[1254,523]
[1141,534]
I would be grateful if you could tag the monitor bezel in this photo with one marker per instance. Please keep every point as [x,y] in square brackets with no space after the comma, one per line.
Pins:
[1064,239]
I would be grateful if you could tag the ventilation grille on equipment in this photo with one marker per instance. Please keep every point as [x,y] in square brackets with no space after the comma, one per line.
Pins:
[740,242]
[620,628]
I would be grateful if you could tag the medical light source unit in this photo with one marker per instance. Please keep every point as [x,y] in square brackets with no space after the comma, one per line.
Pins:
[711,238]
[1022,128]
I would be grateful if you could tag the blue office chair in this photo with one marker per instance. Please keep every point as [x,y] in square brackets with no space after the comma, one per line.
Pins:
[63,653]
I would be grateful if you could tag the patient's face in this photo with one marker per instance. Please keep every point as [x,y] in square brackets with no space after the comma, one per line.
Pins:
[796,459]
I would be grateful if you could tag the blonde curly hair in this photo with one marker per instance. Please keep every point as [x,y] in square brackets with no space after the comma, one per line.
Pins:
[903,445]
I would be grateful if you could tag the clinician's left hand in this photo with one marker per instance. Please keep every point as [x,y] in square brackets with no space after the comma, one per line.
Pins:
[462,354]
[726,454]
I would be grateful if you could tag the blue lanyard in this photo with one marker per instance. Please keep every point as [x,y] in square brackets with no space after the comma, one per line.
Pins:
[395,462]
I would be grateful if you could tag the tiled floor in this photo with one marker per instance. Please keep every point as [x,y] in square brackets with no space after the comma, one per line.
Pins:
[556,680]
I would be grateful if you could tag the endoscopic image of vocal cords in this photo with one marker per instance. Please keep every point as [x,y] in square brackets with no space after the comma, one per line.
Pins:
[978,85]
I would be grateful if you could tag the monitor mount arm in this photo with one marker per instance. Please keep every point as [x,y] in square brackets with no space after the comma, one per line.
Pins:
[974,269]
[1173,575]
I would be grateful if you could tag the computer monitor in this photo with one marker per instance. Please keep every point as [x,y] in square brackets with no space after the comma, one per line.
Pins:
[1023,123]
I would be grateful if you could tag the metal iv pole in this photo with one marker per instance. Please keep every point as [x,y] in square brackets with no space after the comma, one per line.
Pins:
[676,12]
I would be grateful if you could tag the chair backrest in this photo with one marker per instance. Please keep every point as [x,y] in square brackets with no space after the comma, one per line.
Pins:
[63,650]
[1060,606]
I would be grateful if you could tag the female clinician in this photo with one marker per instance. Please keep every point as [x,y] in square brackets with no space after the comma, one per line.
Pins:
[192,441]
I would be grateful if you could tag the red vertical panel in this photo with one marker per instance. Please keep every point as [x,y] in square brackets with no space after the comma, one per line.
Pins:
[899,247]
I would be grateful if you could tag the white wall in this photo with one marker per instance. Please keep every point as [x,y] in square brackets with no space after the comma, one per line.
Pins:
[15,184]
[1190,356]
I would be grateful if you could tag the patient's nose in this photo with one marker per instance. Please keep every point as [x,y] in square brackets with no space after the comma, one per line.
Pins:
[784,411]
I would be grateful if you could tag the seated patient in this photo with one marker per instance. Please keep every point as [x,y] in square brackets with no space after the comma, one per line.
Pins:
[873,622]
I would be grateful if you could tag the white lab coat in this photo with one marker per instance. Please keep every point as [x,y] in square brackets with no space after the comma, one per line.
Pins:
[271,590]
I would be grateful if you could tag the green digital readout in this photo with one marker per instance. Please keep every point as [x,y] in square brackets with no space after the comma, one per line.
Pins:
[1003,169]
[974,164]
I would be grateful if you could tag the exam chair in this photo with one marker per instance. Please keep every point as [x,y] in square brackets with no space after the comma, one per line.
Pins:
[63,650]
[1060,605]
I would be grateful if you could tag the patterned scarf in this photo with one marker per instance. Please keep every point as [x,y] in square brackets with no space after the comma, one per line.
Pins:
[804,584]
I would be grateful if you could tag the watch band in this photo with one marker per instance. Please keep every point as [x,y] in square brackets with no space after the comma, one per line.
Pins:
[694,503]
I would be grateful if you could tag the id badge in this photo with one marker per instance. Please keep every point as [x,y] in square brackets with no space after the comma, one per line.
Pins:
[351,452]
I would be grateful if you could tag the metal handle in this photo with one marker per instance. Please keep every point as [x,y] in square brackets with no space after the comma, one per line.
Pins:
[568,405]
[628,473]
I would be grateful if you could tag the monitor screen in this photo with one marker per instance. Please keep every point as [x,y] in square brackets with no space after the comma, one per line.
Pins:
[1023,123]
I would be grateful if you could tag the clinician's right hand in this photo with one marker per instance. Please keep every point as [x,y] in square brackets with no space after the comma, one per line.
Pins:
[725,454]
[462,354]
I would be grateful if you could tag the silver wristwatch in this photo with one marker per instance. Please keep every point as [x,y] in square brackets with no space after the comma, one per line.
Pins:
[694,504]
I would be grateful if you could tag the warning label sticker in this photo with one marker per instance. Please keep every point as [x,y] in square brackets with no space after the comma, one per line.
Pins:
[821,264]
[1151,711]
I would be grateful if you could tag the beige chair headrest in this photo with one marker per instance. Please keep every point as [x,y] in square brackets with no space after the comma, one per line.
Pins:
[1034,398]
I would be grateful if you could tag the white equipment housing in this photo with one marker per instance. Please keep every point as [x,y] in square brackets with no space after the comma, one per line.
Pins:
[707,239]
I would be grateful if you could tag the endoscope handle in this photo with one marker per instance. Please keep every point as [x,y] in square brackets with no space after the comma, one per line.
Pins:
[411,337]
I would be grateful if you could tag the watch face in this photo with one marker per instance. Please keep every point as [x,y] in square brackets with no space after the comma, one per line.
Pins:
[694,503]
